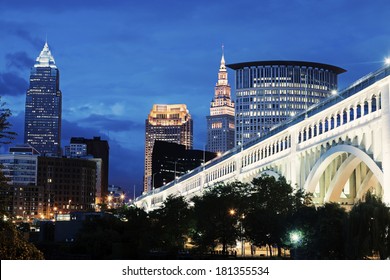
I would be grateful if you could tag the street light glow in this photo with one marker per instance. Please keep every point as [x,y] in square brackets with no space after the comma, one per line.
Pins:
[295,237]
[387,60]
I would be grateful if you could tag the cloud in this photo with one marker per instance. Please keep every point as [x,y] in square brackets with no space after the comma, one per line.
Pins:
[12,84]
[126,164]
[110,123]
[19,60]
[33,40]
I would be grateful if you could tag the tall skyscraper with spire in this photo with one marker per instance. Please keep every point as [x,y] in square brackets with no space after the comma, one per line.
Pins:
[220,123]
[44,106]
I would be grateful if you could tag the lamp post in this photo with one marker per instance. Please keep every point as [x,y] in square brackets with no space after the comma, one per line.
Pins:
[153,180]
[296,237]
[175,177]
[122,198]
[306,96]
[232,212]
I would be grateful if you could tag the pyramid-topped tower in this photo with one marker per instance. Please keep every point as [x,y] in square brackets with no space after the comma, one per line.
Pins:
[45,58]
[44,106]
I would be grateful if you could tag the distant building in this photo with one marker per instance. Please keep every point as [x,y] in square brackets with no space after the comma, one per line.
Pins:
[171,160]
[95,148]
[170,123]
[21,196]
[44,106]
[68,185]
[220,123]
[270,92]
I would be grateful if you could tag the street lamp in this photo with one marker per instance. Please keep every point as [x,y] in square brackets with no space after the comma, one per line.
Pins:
[153,179]
[296,238]
[232,212]
[306,96]
[122,198]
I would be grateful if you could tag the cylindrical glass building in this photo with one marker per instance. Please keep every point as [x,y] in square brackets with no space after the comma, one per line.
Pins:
[269,92]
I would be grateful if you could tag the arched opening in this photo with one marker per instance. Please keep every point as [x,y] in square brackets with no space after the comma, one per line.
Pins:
[365,107]
[351,114]
[338,123]
[341,175]
[358,111]
[373,104]
[345,117]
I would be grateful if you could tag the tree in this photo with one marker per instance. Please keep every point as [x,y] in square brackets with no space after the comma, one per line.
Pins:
[217,215]
[137,234]
[13,246]
[5,134]
[272,205]
[171,224]
[321,232]
[369,229]
[97,237]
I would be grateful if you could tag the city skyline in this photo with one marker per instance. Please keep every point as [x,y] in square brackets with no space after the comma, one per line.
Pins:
[118,60]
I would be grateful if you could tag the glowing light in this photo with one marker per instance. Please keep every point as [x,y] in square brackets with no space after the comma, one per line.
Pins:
[295,237]
[232,212]
[334,92]
[387,60]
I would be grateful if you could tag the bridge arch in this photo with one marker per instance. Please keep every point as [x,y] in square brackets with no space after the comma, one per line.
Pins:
[354,158]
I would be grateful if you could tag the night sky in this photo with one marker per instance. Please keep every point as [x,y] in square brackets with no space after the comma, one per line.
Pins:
[118,58]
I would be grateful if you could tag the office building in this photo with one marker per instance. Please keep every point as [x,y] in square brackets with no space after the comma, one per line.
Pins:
[44,106]
[269,92]
[171,160]
[220,123]
[170,123]
[20,196]
[67,185]
[93,149]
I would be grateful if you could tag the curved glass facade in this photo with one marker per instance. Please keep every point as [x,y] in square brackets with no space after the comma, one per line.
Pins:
[269,92]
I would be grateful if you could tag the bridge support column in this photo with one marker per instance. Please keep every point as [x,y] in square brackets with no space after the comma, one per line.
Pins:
[385,142]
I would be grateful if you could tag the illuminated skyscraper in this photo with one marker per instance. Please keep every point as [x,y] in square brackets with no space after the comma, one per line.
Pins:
[170,123]
[220,123]
[270,92]
[43,106]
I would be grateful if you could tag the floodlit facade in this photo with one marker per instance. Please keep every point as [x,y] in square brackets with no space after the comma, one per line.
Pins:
[44,106]
[21,195]
[220,123]
[270,92]
[170,123]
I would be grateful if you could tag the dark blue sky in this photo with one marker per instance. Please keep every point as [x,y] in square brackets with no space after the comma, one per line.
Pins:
[118,58]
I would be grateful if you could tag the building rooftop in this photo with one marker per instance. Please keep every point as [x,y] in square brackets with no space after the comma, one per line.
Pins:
[240,65]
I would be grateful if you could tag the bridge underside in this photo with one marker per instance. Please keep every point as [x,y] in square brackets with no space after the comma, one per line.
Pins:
[344,174]
[345,180]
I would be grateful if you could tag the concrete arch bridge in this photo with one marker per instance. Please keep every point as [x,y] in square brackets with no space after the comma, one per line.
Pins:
[338,150]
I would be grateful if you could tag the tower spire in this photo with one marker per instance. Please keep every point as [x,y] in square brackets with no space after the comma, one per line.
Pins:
[223,67]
